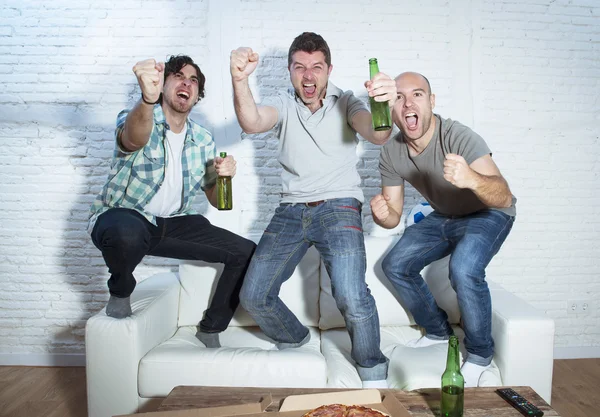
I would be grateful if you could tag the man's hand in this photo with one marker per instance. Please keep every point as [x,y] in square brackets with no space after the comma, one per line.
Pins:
[243,62]
[382,88]
[150,76]
[457,172]
[225,167]
[379,207]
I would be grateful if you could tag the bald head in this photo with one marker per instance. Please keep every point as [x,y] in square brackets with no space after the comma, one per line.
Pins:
[413,78]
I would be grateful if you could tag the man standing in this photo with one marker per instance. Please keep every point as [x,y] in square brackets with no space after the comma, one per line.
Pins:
[322,200]
[161,160]
[474,210]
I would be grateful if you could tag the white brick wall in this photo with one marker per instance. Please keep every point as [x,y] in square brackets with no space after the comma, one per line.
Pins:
[525,75]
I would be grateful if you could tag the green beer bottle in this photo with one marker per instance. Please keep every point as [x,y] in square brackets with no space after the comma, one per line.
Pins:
[224,195]
[453,384]
[380,110]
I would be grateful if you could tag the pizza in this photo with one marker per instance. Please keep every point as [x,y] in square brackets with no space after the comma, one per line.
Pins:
[341,410]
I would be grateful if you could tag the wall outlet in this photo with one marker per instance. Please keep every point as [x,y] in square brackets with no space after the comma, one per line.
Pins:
[579,306]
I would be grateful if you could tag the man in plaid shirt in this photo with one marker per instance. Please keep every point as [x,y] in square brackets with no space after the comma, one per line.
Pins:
[161,160]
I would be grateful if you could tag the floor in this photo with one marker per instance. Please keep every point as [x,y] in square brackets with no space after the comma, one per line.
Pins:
[60,392]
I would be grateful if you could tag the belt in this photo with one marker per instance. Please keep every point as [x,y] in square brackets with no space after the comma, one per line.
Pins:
[315,203]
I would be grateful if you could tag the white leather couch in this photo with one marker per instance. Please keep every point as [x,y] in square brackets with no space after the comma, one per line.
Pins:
[134,363]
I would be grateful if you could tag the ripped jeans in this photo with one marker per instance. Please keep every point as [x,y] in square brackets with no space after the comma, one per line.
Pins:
[335,228]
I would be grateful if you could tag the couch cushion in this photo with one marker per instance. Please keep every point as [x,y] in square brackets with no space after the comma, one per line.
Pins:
[300,292]
[409,368]
[391,312]
[248,360]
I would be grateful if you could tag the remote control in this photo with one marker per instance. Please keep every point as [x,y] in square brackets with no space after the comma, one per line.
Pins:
[520,403]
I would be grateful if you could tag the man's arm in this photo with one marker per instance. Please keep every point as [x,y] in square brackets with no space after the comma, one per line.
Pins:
[140,120]
[381,88]
[482,177]
[252,118]
[387,206]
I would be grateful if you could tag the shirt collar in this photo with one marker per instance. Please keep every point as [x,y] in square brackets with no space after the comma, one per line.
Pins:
[159,118]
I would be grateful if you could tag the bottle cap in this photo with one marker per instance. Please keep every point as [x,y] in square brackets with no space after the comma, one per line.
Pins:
[223,154]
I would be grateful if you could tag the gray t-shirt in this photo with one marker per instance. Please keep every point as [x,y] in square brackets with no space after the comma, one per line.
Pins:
[318,151]
[425,171]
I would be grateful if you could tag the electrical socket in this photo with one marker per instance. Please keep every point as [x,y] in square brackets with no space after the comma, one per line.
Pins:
[579,306]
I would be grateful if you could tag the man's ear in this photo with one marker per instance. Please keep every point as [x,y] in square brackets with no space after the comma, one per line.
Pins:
[432,101]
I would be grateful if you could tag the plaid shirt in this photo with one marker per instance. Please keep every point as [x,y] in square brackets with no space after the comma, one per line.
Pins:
[135,177]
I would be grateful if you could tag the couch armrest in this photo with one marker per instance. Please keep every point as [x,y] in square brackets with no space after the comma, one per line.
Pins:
[115,347]
[524,339]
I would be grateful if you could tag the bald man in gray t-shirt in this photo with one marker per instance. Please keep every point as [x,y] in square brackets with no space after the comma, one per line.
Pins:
[474,210]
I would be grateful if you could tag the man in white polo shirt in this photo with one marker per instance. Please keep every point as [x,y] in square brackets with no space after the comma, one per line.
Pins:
[322,200]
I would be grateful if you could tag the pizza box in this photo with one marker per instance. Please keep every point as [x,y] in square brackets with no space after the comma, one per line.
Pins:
[294,405]
[298,405]
[254,408]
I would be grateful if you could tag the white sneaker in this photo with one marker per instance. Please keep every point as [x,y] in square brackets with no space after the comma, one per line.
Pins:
[471,373]
[380,383]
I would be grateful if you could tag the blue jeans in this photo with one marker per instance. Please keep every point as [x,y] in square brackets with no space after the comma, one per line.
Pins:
[472,241]
[335,228]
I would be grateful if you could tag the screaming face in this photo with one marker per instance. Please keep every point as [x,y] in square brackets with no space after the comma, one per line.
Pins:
[413,110]
[309,75]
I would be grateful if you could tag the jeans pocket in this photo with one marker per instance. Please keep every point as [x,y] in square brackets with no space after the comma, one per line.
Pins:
[343,232]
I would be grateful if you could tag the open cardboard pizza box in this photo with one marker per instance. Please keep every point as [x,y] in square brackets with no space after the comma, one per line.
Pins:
[295,405]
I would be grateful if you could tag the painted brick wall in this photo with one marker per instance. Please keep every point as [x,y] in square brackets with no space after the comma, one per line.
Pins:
[525,75]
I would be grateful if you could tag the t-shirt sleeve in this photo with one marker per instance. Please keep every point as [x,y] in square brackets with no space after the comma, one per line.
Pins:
[355,105]
[275,101]
[389,175]
[210,174]
[467,143]
[120,152]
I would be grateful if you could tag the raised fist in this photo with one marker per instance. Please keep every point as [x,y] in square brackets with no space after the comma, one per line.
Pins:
[243,63]
[151,77]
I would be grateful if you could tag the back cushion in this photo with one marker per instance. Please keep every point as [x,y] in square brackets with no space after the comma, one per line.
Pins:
[391,312]
[300,293]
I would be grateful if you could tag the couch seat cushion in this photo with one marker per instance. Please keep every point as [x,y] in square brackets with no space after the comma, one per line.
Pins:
[409,368]
[246,360]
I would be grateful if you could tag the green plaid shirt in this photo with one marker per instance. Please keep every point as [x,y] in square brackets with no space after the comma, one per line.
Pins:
[135,177]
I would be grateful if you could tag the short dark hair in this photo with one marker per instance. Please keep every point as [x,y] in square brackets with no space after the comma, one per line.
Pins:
[309,42]
[177,62]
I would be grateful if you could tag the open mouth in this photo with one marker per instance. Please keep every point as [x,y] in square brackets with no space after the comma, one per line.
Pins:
[183,95]
[309,89]
[411,120]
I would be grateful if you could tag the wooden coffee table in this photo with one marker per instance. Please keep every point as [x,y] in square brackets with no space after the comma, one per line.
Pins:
[479,402]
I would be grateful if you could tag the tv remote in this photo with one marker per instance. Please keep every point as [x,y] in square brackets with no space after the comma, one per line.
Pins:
[520,403]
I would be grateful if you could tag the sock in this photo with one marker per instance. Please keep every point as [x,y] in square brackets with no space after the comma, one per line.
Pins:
[118,308]
[471,373]
[210,340]
[424,341]
[380,383]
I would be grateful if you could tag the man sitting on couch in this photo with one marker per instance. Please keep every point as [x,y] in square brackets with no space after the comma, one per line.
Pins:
[474,210]
[161,161]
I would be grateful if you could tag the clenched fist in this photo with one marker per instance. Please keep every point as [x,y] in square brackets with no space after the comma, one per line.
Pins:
[382,88]
[243,62]
[379,207]
[151,77]
[225,167]
[457,172]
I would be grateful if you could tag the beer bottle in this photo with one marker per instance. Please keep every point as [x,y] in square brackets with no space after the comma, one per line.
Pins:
[453,383]
[380,110]
[224,195]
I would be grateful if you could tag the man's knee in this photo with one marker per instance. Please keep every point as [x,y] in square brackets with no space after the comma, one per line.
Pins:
[355,307]
[253,301]
[123,237]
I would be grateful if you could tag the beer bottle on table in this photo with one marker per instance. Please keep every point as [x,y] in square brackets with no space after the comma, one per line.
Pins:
[453,383]
[380,110]
[224,194]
